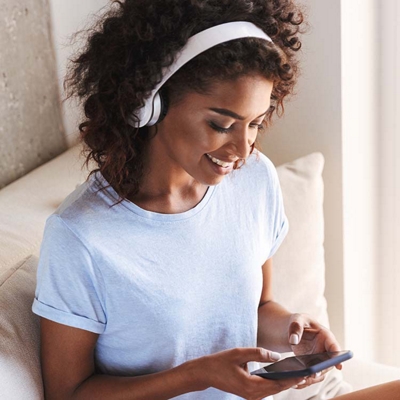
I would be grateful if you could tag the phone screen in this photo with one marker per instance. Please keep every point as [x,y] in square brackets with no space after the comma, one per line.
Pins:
[299,363]
[303,365]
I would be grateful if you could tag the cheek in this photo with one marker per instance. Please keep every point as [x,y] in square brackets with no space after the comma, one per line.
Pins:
[204,141]
[193,135]
[210,144]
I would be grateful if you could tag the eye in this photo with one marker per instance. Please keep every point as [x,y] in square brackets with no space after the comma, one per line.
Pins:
[218,128]
[260,127]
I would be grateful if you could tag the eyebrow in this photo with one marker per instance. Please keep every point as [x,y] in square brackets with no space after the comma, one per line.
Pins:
[229,113]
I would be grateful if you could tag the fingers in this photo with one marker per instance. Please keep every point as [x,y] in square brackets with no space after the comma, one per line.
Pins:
[300,385]
[296,329]
[303,327]
[325,371]
[227,371]
[310,380]
[277,385]
[259,354]
[294,383]
[318,374]
[331,344]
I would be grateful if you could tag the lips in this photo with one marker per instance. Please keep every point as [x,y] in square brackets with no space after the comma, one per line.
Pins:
[223,164]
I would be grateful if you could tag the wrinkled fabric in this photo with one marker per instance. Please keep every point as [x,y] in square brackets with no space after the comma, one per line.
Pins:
[161,289]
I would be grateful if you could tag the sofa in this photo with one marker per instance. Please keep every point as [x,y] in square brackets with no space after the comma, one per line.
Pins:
[38,170]
[299,270]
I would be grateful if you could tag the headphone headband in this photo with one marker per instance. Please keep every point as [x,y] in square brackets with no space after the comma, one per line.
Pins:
[198,43]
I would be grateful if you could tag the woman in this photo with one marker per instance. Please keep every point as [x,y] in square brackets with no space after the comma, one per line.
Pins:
[154,278]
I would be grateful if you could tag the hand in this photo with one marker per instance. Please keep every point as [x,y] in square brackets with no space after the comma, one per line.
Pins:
[227,371]
[306,336]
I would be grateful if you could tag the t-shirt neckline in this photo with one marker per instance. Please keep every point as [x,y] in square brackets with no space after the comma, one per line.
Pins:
[98,180]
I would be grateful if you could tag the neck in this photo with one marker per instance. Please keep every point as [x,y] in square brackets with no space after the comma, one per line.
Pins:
[166,187]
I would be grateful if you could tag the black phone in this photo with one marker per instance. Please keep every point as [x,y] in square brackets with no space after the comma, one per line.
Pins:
[303,365]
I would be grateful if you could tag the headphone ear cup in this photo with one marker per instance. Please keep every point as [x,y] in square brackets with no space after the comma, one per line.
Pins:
[159,109]
[163,106]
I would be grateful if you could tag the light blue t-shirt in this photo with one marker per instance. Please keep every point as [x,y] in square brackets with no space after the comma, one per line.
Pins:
[161,289]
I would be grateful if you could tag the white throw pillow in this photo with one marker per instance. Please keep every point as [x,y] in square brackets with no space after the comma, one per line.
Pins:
[299,264]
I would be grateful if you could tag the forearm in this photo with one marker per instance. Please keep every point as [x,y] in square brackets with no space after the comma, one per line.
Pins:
[162,385]
[273,327]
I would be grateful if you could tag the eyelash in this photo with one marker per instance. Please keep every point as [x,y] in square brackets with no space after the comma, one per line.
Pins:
[219,129]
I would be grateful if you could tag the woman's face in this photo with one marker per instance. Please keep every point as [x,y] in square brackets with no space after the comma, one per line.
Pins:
[203,135]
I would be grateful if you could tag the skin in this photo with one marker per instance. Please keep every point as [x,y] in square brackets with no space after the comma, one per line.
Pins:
[179,173]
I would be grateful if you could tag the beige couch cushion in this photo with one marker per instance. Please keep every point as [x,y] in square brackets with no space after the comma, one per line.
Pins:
[26,203]
[20,374]
[24,207]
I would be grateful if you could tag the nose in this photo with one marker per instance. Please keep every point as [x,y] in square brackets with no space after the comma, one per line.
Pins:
[243,142]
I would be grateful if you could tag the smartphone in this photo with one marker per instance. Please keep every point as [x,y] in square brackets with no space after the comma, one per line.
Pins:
[304,365]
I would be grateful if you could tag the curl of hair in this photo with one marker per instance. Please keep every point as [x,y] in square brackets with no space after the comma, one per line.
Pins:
[127,48]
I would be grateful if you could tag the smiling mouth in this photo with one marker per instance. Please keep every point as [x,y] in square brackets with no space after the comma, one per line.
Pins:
[222,164]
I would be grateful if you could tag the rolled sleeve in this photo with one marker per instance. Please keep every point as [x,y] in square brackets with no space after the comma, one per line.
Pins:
[70,288]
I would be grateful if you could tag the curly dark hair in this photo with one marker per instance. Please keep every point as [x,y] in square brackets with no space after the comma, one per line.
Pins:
[127,48]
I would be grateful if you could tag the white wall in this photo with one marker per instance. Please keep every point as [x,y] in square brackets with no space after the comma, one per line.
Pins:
[360,133]
[313,122]
[388,275]
[67,18]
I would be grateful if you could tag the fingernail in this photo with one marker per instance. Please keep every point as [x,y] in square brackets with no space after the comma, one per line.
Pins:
[318,374]
[300,383]
[275,356]
[294,339]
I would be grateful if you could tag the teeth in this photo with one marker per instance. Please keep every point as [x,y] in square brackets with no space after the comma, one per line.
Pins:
[219,162]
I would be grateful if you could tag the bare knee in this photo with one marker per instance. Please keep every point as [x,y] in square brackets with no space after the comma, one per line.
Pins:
[386,391]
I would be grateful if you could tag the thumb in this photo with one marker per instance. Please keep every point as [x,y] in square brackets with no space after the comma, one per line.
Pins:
[259,354]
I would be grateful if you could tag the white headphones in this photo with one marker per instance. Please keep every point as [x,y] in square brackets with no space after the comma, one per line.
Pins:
[152,111]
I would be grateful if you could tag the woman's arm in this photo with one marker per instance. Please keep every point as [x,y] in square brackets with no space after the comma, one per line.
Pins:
[67,357]
[69,371]
[273,319]
[280,330]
